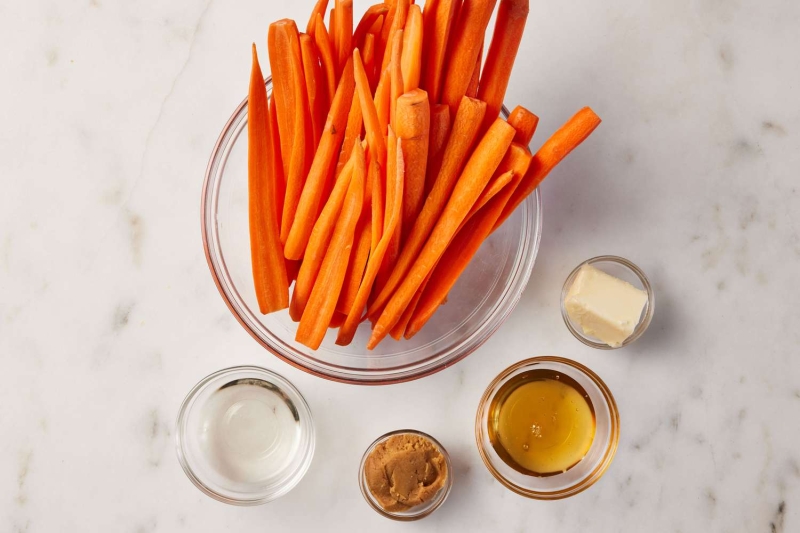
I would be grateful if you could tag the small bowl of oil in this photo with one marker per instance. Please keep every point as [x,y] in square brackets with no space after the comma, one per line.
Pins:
[244,435]
[547,428]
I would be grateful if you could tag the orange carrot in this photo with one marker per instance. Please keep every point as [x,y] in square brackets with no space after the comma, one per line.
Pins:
[494,186]
[289,88]
[398,23]
[332,34]
[525,123]
[368,51]
[413,126]
[375,139]
[368,20]
[358,262]
[400,328]
[322,302]
[477,172]
[465,44]
[382,96]
[316,105]
[437,20]
[292,268]
[319,9]
[393,248]
[440,130]
[309,201]
[277,163]
[552,152]
[343,32]
[351,133]
[465,130]
[408,314]
[393,214]
[396,71]
[326,57]
[319,241]
[337,320]
[472,88]
[269,270]
[377,202]
[508,29]
[411,61]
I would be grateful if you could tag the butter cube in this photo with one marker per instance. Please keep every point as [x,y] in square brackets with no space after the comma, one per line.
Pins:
[604,307]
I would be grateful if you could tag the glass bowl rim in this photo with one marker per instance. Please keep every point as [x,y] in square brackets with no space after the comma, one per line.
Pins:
[643,324]
[445,358]
[608,454]
[303,407]
[441,496]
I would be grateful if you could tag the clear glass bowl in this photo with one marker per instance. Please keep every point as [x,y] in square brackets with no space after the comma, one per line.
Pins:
[484,296]
[620,268]
[219,474]
[420,511]
[581,476]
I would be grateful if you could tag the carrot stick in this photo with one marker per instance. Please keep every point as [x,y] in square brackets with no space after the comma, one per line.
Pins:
[269,270]
[377,145]
[289,88]
[319,9]
[332,35]
[365,25]
[398,23]
[358,262]
[393,248]
[552,152]
[525,123]
[396,71]
[377,202]
[318,243]
[351,133]
[413,126]
[337,320]
[465,44]
[400,328]
[368,51]
[393,215]
[508,29]
[480,167]
[440,130]
[344,32]
[316,106]
[437,20]
[277,163]
[382,96]
[496,185]
[411,61]
[323,43]
[472,88]
[465,130]
[322,302]
[408,314]
[309,201]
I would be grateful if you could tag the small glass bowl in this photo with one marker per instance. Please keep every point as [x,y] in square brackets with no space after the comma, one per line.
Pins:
[420,511]
[581,476]
[623,269]
[190,439]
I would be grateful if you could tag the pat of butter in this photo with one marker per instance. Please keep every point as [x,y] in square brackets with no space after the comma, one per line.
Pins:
[604,307]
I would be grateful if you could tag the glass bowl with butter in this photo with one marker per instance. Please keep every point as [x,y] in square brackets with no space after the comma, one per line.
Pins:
[547,428]
[607,302]
[405,475]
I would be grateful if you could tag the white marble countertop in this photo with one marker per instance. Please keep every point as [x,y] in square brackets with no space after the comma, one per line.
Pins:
[108,314]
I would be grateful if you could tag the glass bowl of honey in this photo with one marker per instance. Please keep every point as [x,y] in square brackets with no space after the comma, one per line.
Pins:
[547,428]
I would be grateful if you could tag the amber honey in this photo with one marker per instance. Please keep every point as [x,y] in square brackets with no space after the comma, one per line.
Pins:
[541,422]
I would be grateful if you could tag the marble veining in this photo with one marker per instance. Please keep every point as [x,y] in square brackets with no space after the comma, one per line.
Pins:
[108,314]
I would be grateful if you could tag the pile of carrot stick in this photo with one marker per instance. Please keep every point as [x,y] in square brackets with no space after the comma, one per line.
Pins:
[380,164]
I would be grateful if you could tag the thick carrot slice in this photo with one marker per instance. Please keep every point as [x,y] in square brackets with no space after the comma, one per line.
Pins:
[440,131]
[367,22]
[351,133]
[375,139]
[393,212]
[344,33]
[411,61]
[552,152]
[382,97]
[525,123]
[323,43]
[319,9]
[317,107]
[325,157]
[437,20]
[465,44]
[396,71]
[472,88]
[277,163]
[322,303]
[318,243]
[358,262]
[269,270]
[398,23]
[465,130]
[477,172]
[508,29]
[413,126]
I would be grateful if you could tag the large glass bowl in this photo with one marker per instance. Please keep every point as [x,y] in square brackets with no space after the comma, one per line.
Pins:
[481,300]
